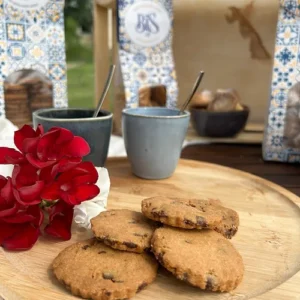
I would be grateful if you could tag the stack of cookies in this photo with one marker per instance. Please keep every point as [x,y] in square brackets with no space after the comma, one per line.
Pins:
[187,237]
[193,244]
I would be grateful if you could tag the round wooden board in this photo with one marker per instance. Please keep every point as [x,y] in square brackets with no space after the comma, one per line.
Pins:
[268,238]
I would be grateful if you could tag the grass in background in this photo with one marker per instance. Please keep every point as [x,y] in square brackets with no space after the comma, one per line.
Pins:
[79,51]
[81,89]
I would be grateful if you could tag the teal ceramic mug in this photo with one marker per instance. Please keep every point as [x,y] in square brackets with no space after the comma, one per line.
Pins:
[96,131]
[153,139]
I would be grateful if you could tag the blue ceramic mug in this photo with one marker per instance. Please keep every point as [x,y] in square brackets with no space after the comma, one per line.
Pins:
[153,139]
[96,131]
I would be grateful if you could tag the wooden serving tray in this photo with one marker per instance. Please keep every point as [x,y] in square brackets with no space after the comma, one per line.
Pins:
[268,238]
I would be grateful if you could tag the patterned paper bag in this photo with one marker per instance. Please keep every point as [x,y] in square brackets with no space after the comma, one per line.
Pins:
[32,58]
[282,133]
[145,49]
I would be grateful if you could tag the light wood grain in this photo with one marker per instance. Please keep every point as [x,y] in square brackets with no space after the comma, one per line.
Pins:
[106,3]
[268,238]
[101,50]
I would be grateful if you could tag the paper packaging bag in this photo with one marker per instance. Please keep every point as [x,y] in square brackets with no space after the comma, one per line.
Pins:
[32,58]
[146,64]
[282,132]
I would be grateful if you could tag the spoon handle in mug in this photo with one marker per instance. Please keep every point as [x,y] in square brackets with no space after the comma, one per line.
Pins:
[197,83]
[105,90]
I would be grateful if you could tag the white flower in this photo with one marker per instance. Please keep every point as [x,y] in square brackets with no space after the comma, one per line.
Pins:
[87,210]
[7,130]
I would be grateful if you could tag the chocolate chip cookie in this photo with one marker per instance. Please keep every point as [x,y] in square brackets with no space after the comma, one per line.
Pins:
[230,223]
[204,259]
[92,270]
[124,229]
[192,214]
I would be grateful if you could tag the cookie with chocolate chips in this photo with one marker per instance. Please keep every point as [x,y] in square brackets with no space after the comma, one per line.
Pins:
[95,271]
[192,214]
[204,259]
[230,223]
[124,229]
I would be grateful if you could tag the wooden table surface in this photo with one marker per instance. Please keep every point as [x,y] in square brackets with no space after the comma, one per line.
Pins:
[247,158]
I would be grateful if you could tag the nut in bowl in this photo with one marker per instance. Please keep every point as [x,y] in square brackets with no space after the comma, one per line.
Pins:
[218,115]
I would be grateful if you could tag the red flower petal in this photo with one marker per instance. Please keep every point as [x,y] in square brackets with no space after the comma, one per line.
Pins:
[10,156]
[8,230]
[19,218]
[30,145]
[89,168]
[23,239]
[16,161]
[69,198]
[46,174]
[83,168]
[65,165]
[37,213]
[32,192]
[20,135]
[61,218]
[3,181]
[9,211]
[7,191]
[78,147]
[37,163]
[51,192]
[33,214]
[40,130]
[69,175]
[84,179]
[45,143]
[86,192]
[24,175]
[59,228]
[31,202]
[15,174]
[59,208]
[65,135]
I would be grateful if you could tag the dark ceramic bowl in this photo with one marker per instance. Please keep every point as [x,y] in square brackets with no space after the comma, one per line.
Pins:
[218,124]
[96,131]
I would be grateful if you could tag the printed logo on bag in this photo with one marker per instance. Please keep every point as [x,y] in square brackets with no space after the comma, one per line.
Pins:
[27,4]
[147,23]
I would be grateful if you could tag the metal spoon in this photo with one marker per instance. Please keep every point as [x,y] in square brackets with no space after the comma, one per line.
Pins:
[197,83]
[105,90]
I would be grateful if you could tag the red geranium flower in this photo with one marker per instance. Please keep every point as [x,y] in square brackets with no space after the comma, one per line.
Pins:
[8,205]
[49,176]
[19,225]
[73,186]
[60,220]
[56,144]
[26,140]
[26,186]
[45,149]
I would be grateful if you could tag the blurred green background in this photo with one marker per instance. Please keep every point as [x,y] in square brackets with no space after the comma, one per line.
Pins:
[79,50]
